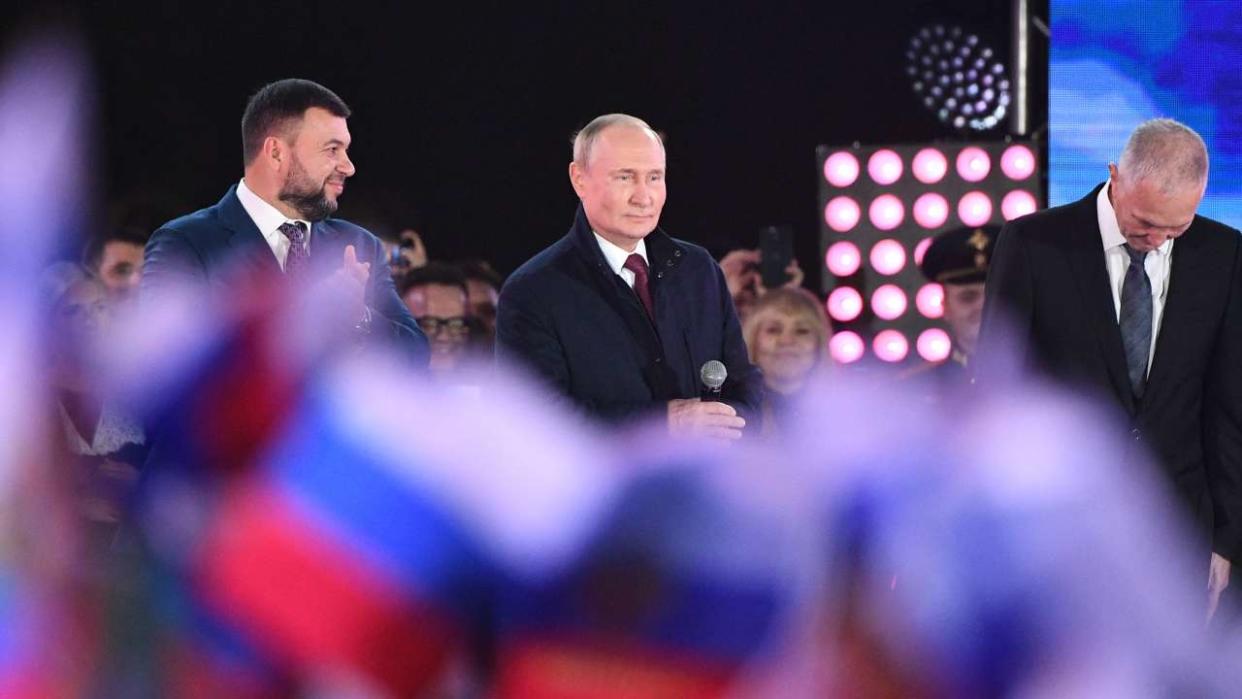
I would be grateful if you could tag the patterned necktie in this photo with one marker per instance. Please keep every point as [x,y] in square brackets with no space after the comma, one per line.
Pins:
[297,262]
[1135,319]
[636,264]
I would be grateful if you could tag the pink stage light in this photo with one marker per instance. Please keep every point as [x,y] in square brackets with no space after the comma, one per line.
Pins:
[1017,162]
[930,300]
[931,210]
[921,249]
[890,345]
[842,214]
[844,304]
[973,164]
[841,169]
[929,166]
[1017,203]
[934,345]
[886,212]
[888,257]
[846,347]
[888,302]
[884,166]
[975,208]
[843,258]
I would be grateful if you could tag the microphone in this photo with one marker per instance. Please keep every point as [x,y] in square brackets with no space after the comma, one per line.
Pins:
[713,375]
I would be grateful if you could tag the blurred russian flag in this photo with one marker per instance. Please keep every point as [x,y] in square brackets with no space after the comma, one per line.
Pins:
[688,587]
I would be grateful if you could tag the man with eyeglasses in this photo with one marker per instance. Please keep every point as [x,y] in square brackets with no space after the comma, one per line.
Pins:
[436,295]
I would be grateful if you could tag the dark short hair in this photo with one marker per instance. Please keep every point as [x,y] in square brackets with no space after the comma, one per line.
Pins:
[433,273]
[92,252]
[276,104]
[481,270]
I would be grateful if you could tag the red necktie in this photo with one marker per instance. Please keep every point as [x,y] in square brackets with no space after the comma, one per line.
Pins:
[298,260]
[636,264]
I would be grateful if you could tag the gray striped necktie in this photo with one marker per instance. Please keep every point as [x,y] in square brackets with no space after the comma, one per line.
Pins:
[1135,319]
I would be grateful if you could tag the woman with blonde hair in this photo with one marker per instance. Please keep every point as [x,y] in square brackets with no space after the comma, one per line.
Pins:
[786,334]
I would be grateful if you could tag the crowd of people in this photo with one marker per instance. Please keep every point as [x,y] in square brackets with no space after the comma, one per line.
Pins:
[627,328]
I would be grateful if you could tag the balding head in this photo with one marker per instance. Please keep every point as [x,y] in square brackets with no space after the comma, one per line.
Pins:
[584,140]
[1166,154]
[1158,184]
[618,174]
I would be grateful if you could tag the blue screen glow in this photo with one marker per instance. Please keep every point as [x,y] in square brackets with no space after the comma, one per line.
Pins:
[1114,63]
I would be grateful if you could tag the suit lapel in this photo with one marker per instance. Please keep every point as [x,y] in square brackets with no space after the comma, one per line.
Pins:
[1189,261]
[326,250]
[1086,253]
[245,243]
[616,293]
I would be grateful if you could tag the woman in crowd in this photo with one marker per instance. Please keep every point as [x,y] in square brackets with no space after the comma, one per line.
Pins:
[786,333]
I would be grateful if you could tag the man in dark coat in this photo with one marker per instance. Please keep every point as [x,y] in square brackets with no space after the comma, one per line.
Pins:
[295,142]
[1131,297]
[619,316]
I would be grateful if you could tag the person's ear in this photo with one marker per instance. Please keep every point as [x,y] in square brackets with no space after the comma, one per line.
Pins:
[577,176]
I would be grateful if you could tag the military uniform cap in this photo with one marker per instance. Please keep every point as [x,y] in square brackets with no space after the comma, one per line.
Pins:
[960,256]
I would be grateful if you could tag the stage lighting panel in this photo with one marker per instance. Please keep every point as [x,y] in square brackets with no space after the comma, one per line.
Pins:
[957,78]
[882,206]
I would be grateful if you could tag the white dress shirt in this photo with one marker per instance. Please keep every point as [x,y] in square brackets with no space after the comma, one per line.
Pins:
[616,257]
[269,220]
[1158,263]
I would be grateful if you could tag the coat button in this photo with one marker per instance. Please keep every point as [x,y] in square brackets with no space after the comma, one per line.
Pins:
[668,263]
[659,360]
[1137,434]
[676,253]
[660,274]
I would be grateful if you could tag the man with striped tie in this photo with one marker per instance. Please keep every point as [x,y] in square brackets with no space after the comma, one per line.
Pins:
[1131,298]
[295,144]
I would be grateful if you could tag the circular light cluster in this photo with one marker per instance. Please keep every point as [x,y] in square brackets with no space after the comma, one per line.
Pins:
[846,347]
[931,210]
[843,258]
[842,214]
[973,164]
[888,257]
[841,169]
[929,166]
[957,78]
[888,302]
[1018,162]
[974,208]
[1017,203]
[930,300]
[934,345]
[890,345]
[886,212]
[884,166]
[844,304]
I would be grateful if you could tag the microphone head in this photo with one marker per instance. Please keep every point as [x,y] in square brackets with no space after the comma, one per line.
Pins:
[713,374]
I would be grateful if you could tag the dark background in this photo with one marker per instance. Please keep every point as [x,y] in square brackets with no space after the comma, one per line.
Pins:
[462,112]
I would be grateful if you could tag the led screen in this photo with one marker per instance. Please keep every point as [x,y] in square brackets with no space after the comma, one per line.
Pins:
[1114,63]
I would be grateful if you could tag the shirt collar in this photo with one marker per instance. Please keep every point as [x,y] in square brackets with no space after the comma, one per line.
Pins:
[616,256]
[267,217]
[1110,232]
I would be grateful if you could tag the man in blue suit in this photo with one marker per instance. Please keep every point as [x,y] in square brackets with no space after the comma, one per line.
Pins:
[276,219]
[617,315]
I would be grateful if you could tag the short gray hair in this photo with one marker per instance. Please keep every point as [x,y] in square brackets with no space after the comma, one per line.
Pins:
[1167,153]
[584,140]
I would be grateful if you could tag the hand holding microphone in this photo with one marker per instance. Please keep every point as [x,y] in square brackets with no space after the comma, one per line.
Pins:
[706,417]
